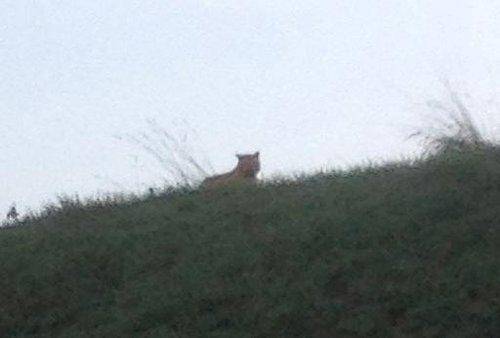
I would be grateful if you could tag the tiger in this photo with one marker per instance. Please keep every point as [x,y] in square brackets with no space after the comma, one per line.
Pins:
[246,170]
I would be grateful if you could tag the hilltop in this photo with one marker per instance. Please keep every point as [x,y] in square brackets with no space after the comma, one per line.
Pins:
[403,249]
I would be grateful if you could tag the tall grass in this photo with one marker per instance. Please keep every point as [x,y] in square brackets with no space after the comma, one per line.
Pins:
[181,163]
[402,249]
[453,128]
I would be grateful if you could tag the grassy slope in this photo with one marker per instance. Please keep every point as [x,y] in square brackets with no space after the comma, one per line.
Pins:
[404,249]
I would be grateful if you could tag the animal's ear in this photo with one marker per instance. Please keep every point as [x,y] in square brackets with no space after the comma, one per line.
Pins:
[256,154]
[239,156]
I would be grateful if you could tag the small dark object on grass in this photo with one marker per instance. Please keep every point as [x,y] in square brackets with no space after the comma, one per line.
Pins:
[12,214]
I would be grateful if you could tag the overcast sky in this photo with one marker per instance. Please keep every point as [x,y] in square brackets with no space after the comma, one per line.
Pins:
[311,84]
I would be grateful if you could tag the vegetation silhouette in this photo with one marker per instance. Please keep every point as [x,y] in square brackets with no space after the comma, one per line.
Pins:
[400,249]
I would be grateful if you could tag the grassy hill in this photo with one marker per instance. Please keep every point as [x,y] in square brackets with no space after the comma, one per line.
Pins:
[408,249]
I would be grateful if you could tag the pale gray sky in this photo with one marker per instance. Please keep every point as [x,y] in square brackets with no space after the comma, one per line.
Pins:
[308,83]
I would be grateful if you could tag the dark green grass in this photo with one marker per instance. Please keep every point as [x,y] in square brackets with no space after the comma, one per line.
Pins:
[408,249]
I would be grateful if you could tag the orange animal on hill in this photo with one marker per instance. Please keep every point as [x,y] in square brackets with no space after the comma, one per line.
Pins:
[246,171]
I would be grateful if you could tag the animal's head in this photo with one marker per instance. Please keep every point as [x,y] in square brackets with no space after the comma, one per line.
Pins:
[248,164]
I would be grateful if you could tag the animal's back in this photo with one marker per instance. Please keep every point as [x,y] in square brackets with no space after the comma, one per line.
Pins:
[216,180]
